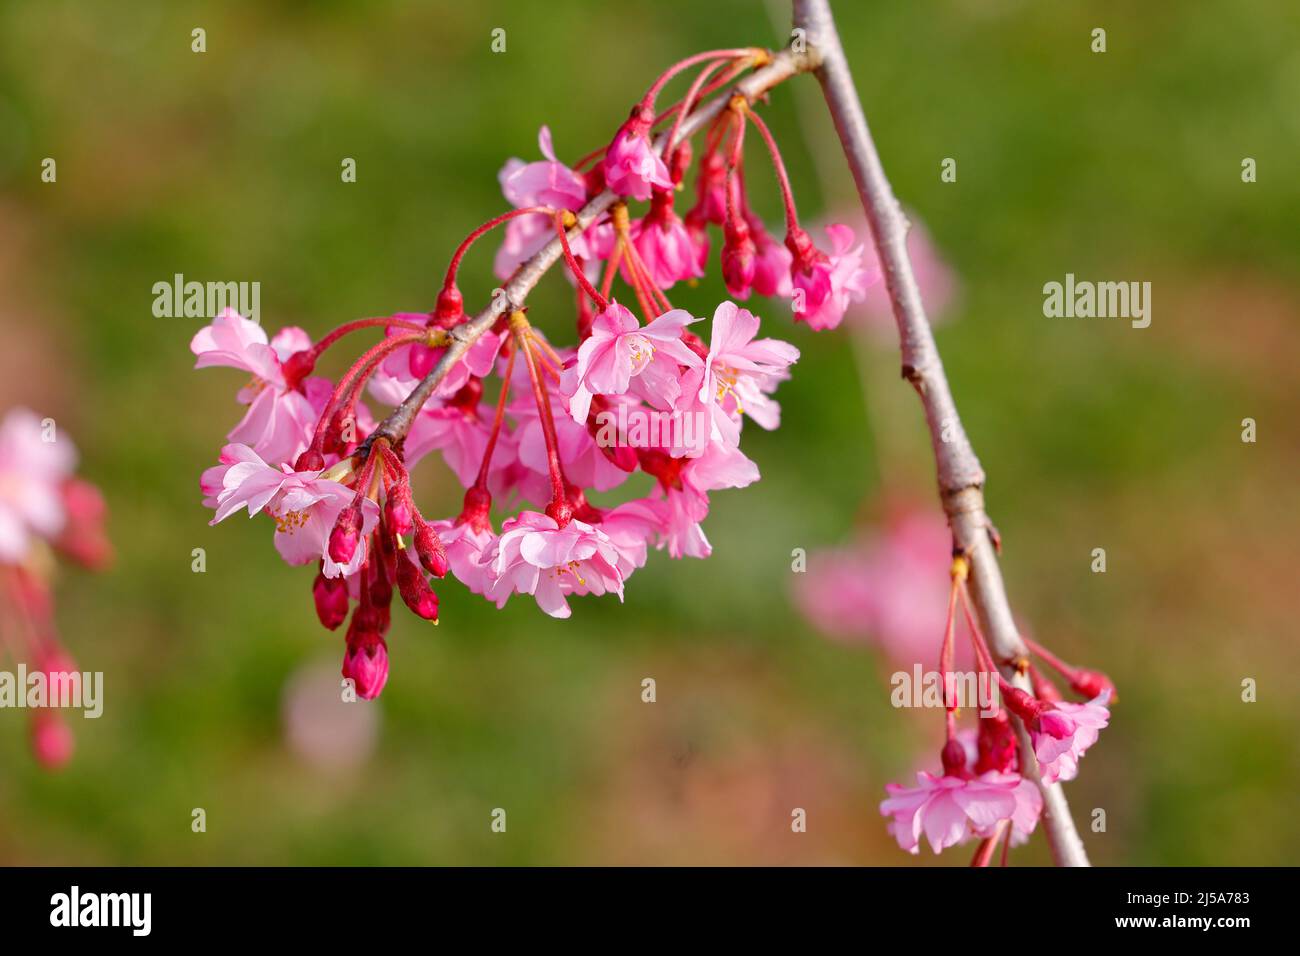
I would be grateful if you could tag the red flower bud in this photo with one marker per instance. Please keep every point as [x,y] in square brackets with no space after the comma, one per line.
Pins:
[52,742]
[1091,683]
[399,509]
[430,550]
[1023,705]
[346,534]
[83,538]
[365,662]
[739,255]
[415,590]
[331,597]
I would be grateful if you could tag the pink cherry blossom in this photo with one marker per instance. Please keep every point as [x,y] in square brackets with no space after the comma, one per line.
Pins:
[618,349]
[465,547]
[535,556]
[303,504]
[544,183]
[281,414]
[828,282]
[632,167]
[35,461]
[948,810]
[1067,730]
[685,489]
[740,372]
[457,432]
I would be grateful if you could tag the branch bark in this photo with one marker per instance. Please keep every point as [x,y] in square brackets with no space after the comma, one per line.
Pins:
[960,476]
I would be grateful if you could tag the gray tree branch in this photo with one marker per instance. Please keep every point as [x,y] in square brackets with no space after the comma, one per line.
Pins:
[960,477]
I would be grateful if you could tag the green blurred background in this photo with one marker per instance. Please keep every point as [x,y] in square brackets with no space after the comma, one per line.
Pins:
[225,165]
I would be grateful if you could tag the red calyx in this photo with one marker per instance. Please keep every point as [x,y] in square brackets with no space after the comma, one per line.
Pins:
[1091,683]
[297,367]
[953,756]
[477,509]
[449,309]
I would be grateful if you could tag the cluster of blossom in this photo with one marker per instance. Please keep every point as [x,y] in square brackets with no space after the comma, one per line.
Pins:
[45,512]
[982,793]
[565,422]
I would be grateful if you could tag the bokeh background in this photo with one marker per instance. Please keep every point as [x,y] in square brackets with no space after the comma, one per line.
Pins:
[225,166]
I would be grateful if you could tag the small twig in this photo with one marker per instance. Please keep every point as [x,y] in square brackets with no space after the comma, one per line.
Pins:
[961,479]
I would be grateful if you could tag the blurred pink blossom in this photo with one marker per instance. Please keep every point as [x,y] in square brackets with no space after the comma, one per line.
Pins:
[888,588]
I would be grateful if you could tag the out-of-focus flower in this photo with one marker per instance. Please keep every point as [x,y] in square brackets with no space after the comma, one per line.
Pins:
[889,587]
[948,810]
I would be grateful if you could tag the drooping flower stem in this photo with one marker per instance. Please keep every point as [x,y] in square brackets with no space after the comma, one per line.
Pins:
[559,508]
[454,266]
[365,365]
[563,221]
[787,195]
[650,95]
[498,419]
[687,103]
[346,328]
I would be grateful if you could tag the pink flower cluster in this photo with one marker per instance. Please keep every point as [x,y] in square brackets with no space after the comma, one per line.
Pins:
[985,791]
[44,512]
[533,430]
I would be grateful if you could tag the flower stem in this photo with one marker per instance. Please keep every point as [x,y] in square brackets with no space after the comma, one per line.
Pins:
[787,195]
[454,266]
[559,508]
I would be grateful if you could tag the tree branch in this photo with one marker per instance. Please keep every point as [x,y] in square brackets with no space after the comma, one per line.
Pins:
[960,477]
[784,64]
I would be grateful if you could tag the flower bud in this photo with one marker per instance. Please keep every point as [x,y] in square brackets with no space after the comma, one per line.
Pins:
[429,547]
[1023,705]
[415,590]
[51,739]
[739,255]
[399,509]
[331,598]
[346,534]
[365,663]
[83,538]
[1090,684]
